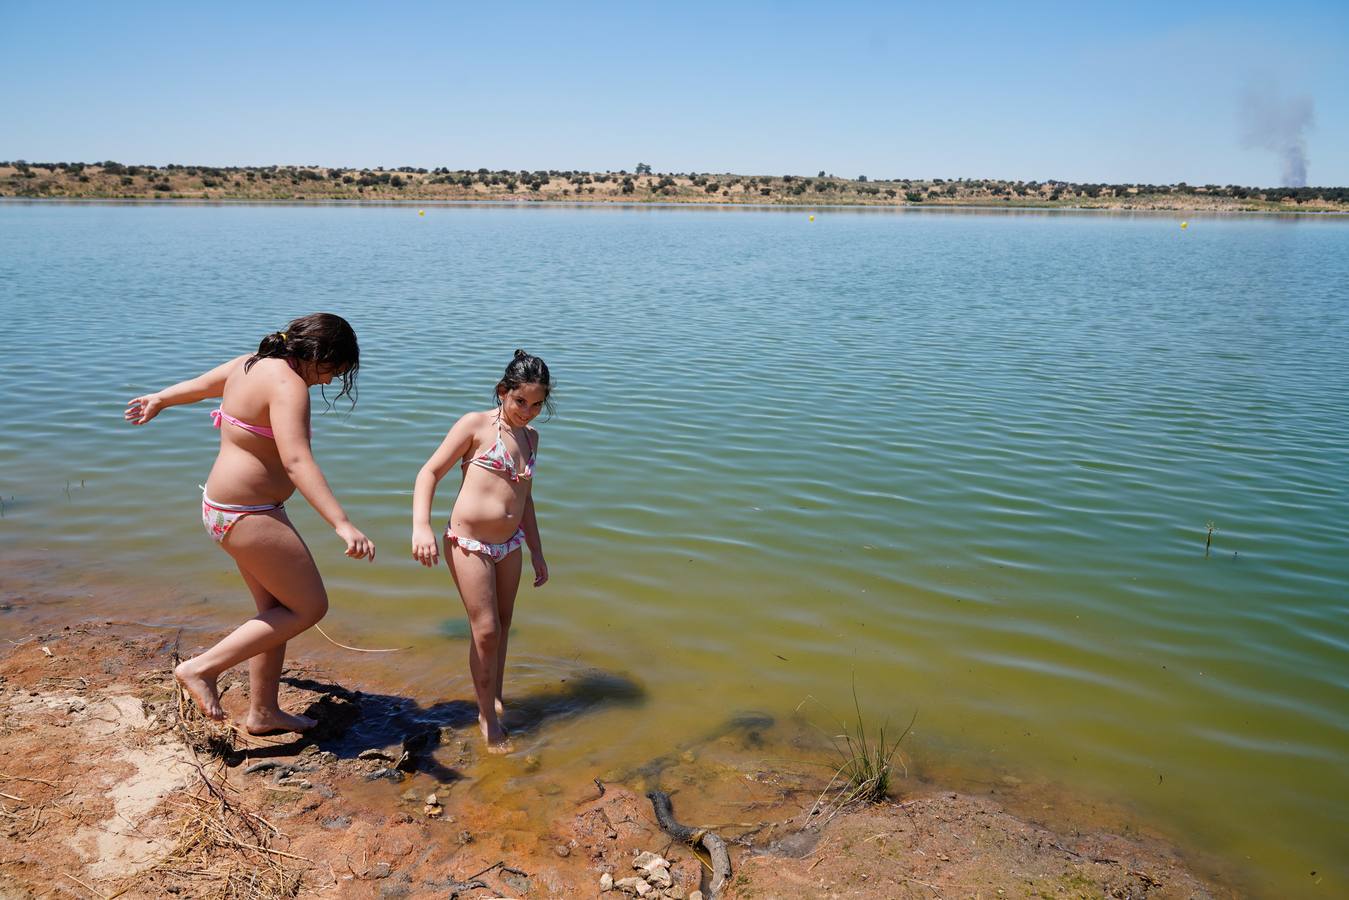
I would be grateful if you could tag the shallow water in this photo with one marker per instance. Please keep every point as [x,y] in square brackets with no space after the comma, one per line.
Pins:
[967,459]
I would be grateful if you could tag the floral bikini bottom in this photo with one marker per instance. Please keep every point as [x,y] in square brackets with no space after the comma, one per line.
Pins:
[494,552]
[219,518]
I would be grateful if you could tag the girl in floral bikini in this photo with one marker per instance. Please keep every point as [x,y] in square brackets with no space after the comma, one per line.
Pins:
[264,457]
[493,515]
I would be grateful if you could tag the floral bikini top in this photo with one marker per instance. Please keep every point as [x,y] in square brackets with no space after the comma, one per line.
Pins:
[499,459]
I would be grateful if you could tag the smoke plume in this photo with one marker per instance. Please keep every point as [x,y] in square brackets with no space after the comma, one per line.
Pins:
[1279,124]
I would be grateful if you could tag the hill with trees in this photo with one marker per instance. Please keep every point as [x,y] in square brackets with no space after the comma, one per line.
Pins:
[114,180]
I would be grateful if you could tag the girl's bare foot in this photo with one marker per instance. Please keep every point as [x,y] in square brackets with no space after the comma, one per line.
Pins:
[266,721]
[498,741]
[201,690]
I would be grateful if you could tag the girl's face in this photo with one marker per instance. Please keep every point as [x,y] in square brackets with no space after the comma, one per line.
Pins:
[522,404]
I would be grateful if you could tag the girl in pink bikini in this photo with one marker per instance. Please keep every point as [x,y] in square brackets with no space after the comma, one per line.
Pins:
[264,457]
[493,515]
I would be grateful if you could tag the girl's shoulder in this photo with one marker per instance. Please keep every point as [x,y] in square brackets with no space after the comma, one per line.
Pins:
[270,368]
[474,421]
[264,379]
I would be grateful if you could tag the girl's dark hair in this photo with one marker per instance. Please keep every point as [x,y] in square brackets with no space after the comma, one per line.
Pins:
[321,338]
[526,369]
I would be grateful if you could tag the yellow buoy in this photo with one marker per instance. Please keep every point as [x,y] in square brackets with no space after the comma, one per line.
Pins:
[812,218]
[421,212]
[1184,224]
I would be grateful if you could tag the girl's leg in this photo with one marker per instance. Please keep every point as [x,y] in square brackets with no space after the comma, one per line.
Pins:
[508,583]
[475,577]
[264,677]
[268,548]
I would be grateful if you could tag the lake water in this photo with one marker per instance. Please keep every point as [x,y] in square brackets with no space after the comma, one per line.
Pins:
[968,459]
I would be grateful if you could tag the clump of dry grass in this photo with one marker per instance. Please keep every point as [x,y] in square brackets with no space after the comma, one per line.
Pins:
[222,843]
[220,840]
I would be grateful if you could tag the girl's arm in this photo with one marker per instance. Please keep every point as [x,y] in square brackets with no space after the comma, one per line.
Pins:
[288,409]
[140,410]
[424,546]
[531,526]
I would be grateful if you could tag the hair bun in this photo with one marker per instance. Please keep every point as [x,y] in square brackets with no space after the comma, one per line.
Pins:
[521,354]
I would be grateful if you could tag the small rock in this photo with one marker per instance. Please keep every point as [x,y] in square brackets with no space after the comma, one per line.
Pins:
[327,757]
[657,868]
[432,800]
[562,850]
[532,763]
[410,795]
[465,837]
[304,785]
[380,870]
[646,860]
[261,766]
[374,753]
[392,774]
[336,823]
[687,756]
[633,885]
[606,882]
[695,895]
[515,879]
[325,792]
[397,846]
[433,811]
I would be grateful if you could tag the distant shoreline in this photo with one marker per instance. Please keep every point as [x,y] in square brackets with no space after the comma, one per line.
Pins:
[650,204]
[110,181]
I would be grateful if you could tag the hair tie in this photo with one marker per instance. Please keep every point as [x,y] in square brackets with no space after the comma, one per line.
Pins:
[283,336]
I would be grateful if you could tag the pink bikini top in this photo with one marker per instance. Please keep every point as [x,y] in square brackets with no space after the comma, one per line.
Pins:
[499,459]
[260,430]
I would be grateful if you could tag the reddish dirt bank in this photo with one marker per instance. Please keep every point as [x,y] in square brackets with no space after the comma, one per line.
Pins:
[105,792]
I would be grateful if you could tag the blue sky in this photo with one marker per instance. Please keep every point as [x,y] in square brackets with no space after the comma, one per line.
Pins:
[1134,92]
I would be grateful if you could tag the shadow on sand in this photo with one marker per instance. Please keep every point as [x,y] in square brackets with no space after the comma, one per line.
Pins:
[351,722]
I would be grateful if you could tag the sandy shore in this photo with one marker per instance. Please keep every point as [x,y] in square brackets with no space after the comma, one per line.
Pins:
[105,791]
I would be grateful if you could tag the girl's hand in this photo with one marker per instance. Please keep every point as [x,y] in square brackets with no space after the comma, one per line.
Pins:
[425,550]
[140,410]
[358,545]
[540,570]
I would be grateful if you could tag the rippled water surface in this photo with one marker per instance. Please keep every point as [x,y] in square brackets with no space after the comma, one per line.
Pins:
[967,458]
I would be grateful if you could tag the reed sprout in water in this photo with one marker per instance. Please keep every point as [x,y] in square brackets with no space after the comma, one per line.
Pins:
[1208,539]
[868,762]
